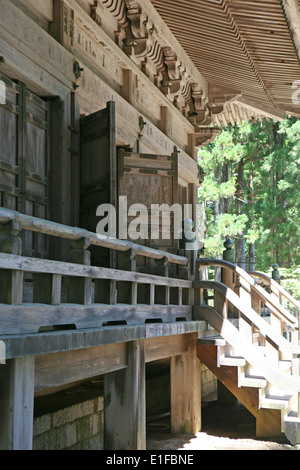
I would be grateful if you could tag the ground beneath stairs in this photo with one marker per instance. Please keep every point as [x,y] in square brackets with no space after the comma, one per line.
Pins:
[224,427]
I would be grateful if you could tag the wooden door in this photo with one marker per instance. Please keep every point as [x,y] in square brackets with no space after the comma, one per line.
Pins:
[148,180]
[97,171]
[24,158]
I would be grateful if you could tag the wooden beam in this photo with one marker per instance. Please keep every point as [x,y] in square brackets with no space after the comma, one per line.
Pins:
[186,390]
[53,370]
[58,369]
[124,400]
[165,346]
[16,404]
[277,114]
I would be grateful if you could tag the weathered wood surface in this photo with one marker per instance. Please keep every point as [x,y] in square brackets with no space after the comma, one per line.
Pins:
[163,347]
[274,285]
[58,369]
[70,340]
[16,403]
[35,265]
[94,92]
[159,174]
[268,422]
[124,403]
[250,352]
[73,233]
[250,314]
[32,318]
[185,381]
[249,284]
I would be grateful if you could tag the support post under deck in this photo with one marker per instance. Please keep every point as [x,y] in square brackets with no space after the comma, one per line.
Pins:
[186,391]
[16,404]
[124,401]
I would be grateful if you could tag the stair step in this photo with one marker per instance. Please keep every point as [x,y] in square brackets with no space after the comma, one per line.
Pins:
[212,340]
[276,402]
[253,381]
[285,366]
[236,361]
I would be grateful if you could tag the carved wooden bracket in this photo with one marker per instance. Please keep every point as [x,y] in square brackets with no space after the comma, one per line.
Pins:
[205,135]
[138,37]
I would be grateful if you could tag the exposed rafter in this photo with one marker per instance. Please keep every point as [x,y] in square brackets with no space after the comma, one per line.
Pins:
[250,46]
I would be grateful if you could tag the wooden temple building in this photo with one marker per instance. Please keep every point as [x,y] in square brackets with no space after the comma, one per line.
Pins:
[107,99]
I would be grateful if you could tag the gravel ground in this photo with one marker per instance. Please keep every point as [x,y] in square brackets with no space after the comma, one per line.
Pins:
[229,427]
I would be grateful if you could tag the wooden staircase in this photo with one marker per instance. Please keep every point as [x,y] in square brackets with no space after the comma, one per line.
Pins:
[275,409]
[251,357]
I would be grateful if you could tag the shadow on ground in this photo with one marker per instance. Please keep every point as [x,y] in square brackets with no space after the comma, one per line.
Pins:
[224,427]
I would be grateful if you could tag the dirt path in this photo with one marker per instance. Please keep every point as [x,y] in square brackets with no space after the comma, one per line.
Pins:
[223,428]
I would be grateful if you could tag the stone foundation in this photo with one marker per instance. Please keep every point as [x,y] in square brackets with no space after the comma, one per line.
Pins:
[77,426]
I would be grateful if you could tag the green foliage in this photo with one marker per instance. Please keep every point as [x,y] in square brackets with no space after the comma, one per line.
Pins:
[265,205]
[224,225]
[290,280]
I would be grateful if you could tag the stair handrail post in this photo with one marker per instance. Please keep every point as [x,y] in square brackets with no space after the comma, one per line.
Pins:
[276,278]
[79,290]
[228,276]
[276,273]
[11,281]
[188,247]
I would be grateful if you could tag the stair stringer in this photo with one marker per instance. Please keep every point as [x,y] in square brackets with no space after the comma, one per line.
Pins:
[276,417]
[268,421]
[249,351]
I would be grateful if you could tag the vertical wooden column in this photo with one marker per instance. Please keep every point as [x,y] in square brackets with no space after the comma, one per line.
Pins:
[79,289]
[162,293]
[124,401]
[11,282]
[127,291]
[16,404]
[61,184]
[186,390]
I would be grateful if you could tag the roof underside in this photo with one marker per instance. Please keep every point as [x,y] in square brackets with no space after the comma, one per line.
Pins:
[240,44]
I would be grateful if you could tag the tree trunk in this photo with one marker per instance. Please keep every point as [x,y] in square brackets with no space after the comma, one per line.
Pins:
[251,258]
[240,241]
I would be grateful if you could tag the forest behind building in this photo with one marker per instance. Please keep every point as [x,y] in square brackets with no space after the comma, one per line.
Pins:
[251,195]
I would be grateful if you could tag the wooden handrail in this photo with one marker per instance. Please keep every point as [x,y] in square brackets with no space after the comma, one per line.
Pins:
[251,353]
[55,229]
[42,266]
[264,328]
[275,306]
[78,294]
[278,287]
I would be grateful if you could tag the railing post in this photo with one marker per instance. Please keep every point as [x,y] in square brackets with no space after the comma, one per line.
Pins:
[127,291]
[229,253]
[188,248]
[276,273]
[79,290]
[228,276]
[275,277]
[162,293]
[11,282]
[276,323]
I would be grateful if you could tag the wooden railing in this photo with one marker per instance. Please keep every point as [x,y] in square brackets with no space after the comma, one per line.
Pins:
[234,312]
[278,292]
[44,295]
[255,296]
[77,295]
